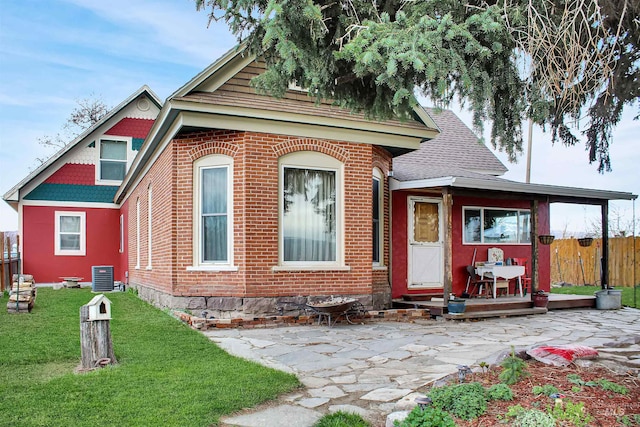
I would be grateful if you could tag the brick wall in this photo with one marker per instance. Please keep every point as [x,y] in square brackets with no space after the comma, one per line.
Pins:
[255,220]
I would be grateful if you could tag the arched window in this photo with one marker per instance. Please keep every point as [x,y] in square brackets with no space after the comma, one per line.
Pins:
[311,210]
[378,217]
[213,212]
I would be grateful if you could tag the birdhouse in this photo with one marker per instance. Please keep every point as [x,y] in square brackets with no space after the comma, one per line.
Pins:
[99,308]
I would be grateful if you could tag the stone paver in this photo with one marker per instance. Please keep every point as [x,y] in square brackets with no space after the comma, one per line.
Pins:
[346,365]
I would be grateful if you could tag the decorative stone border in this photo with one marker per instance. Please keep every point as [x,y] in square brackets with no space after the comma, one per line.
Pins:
[200,323]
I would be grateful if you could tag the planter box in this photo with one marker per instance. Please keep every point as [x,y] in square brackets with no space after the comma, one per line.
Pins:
[608,299]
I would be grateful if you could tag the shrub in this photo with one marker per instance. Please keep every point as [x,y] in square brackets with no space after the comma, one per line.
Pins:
[465,401]
[428,417]
[530,417]
[574,413]
[513,369]
[499,392]
[341,419]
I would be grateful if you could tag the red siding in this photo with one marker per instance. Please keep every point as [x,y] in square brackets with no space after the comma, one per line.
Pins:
[462,254]
[135,128]
[73,173]
[102,244]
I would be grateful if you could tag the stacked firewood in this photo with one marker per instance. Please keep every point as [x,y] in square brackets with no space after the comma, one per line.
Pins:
[22,295]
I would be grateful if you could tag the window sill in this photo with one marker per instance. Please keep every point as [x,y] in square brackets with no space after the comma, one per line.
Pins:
[310,268]
[213,268]
[380,268]
[148,267]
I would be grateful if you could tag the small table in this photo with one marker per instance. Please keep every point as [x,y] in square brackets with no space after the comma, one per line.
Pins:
[71,282]
[503,271]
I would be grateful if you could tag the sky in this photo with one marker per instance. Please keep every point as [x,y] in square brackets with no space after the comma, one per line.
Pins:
[56,52]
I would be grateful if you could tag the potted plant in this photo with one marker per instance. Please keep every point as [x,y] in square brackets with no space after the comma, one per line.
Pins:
[456,305]
[540,299]
[585,241]
[546,239]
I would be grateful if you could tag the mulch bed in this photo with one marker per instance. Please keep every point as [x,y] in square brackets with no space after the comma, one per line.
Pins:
[606,407]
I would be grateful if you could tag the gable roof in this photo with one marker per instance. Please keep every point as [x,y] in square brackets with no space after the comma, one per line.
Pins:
[455,151]
[220,97]
[13,195]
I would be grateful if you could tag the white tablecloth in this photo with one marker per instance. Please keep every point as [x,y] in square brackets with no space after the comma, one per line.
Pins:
[502,271]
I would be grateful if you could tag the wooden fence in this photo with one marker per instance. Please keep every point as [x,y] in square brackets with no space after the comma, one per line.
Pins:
[10,260]
[577,265]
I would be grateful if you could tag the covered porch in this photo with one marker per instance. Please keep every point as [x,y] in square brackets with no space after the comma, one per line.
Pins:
[453,197]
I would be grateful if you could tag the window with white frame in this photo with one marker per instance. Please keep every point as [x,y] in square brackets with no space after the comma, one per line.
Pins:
[121,233]
[70,233]
[310,210]
[213,222]
[113,159]
[149,228]
[137,233]
[496,225]
[377,213]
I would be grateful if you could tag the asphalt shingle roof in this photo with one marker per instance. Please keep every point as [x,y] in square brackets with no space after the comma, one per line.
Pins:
[457,151]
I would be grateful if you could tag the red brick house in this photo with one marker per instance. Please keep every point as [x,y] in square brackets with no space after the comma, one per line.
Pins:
[238,202]
[256,200]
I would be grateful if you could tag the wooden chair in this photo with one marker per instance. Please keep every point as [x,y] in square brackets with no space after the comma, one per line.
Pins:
[526,279]
[479,284]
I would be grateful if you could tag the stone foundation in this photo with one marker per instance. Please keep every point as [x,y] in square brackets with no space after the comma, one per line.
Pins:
[239,307]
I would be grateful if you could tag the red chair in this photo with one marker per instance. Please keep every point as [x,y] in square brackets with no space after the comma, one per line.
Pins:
[526,279]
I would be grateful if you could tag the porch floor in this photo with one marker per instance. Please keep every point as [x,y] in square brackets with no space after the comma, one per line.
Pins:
[499,307]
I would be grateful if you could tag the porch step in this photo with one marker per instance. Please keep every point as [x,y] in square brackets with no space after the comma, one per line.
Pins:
[421,297]
[468,315]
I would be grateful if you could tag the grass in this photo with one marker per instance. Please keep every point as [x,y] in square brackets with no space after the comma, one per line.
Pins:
[168,374]
[342,419]
[627,293]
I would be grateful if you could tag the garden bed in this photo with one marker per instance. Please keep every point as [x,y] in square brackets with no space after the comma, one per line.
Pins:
[607,408]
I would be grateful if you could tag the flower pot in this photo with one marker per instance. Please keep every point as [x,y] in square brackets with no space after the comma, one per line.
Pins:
[540,300]
[456,306]
[546,239]
[585,241]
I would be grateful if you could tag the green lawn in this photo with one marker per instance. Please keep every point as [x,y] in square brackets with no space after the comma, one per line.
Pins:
[627,293]
[168,374]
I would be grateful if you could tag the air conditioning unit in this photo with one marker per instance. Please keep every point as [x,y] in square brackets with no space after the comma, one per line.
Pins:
[102,278]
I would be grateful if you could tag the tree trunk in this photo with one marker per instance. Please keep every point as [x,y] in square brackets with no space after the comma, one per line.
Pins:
[95,341]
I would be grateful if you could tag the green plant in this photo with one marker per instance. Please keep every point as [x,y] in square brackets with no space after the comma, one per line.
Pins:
[499,392]
[428,417]
[630,420]
[602,383]
[465,401]
[513,369]
[575,379]
[546,390]
[484,366]
[530,417]
[611,386]
[574,413]
[341,419]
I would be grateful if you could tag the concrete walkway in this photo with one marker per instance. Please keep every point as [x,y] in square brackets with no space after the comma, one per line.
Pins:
[376,368]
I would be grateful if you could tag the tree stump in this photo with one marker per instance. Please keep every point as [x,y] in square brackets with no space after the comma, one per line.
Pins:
[95,341]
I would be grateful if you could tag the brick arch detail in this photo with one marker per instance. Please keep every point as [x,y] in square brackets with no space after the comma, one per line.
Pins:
[213,147]
[309,144]
[377,163]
